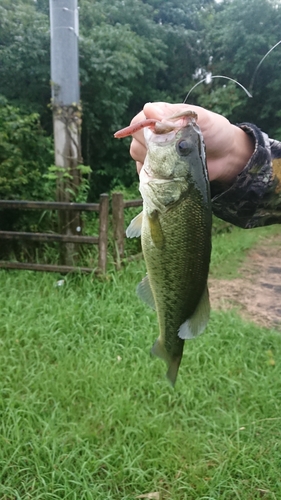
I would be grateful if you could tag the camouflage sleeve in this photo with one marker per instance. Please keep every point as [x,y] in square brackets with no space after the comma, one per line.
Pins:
[255,197]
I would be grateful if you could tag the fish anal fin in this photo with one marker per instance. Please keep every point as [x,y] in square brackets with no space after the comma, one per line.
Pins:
[197,323]
[173,363]
[159,350]
[173,369]
[145,293]
[134,228]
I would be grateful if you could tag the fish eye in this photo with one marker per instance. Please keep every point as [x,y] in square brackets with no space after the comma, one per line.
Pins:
[183,147]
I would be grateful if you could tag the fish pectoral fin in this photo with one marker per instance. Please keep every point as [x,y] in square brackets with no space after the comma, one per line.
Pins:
[173,363]
[145,293]
[134,228]
[156,231]
[197,323]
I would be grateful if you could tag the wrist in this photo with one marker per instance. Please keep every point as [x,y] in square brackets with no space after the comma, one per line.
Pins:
[243,149]
[240,152]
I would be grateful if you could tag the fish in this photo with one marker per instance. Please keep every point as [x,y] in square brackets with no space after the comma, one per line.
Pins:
[175,229]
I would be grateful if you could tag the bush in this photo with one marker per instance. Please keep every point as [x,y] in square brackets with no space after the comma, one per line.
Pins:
[25,154]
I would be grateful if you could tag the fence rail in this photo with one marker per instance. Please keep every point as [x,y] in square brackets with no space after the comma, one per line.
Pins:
[66,238]
[51,205]
[101,240]
[119,205]
[43,267]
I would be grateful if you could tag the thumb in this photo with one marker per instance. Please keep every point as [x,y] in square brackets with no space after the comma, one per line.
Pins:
[139,166]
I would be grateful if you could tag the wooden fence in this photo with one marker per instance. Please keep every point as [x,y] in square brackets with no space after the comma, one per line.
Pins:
[101,240]
[118,207]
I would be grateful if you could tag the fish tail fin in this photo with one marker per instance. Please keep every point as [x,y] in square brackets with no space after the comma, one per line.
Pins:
[173,363]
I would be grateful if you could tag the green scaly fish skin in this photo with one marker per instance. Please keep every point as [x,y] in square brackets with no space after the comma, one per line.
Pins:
[175,229]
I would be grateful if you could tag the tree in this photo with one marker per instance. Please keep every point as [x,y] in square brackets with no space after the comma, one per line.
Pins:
[25,150]
[112,67]
[133,51]
[238,35]
[127,60]
[25,58]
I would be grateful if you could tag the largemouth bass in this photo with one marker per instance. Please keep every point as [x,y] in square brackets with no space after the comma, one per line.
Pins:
[175,230]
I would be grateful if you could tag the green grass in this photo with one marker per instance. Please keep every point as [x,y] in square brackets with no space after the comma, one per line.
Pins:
[86,413]
[230,248]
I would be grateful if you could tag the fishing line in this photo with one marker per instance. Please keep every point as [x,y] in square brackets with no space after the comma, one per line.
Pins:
[258,66]
[218,76]
[235,81]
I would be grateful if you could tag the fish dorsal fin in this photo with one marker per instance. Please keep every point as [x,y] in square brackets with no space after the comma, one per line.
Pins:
[197,323]
[134,228]
[145,293]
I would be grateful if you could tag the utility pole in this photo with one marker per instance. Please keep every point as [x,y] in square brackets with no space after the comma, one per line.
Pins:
[64,26]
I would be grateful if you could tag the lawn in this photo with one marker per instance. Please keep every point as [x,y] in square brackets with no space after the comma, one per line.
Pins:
[86,413]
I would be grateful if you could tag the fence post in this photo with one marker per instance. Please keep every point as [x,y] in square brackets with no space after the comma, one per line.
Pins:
[103,229]
[118,226]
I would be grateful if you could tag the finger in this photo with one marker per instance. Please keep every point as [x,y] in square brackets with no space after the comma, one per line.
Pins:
[138,118]
[138,150]
[139,166]
[160,110]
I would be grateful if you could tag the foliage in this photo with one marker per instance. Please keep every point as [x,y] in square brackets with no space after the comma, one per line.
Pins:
[220,97]
[120,65]
[238,35]
[25,150]
[134,51]
[125,61]
[80,193]
[108,80]
[25,58]
[25,153]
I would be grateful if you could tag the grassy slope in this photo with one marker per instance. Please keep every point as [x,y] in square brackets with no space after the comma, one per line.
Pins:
[229,249]
[87,414]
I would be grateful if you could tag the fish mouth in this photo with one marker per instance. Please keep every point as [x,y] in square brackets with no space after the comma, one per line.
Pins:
[151,136]
[166,131]
[146,176]
[175,122]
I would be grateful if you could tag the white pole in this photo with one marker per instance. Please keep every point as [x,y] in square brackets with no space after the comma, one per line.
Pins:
[66,109]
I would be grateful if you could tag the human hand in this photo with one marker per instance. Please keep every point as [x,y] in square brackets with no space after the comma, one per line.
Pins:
[228,148]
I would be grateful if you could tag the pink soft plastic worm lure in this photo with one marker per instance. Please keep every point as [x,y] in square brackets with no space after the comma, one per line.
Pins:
[132,129]
[157,126]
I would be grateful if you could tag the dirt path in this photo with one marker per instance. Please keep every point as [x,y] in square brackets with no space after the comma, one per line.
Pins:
[257,293]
